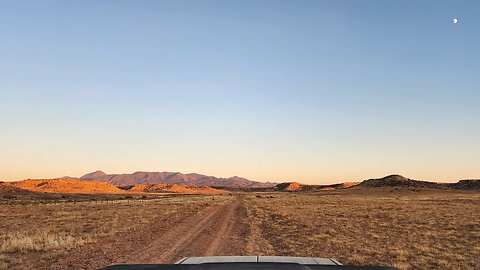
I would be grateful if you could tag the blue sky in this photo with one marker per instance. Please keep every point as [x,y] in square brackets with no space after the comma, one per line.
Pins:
[311,91]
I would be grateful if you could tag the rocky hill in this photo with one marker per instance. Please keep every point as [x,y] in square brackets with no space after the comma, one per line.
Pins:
[395,181]
[399,181]
[289,186]
[295,186]
[65,186]
[62,186]
[175,188]
[471,184]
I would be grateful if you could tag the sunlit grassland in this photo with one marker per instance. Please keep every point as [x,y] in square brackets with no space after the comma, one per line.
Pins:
[411,231]
[32,234]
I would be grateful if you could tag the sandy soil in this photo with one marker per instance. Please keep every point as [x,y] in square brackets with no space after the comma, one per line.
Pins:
[215,230]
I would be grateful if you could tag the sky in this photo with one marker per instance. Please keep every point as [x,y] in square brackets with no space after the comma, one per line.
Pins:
[308,91]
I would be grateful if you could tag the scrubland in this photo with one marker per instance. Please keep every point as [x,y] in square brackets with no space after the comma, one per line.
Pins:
[410,231]
[34,234]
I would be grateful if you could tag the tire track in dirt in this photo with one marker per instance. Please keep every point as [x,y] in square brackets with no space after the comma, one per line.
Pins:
[225,229]
[212,231]
[204,234]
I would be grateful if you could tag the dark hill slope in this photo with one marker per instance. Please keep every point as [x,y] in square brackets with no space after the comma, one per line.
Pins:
[471,184]
[400,181]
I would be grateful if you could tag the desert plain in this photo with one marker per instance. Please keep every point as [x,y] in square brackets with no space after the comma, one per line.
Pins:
[404,228]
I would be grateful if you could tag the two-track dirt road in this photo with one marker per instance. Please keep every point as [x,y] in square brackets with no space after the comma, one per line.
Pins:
[214,230]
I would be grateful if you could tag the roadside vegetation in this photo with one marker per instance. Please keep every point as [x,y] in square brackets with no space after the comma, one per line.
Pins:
[406,229]
[410,231]
[33,234]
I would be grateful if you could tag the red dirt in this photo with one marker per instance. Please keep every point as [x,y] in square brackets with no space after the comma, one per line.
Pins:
[215,230]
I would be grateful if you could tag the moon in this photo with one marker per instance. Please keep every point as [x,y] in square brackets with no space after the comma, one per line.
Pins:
[455,20]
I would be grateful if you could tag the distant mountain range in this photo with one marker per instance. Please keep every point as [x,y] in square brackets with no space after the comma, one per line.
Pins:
[242,184]
[160,182]
[190,179]
[239,183]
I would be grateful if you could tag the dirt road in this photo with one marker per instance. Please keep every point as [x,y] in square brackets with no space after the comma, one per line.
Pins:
[215,230]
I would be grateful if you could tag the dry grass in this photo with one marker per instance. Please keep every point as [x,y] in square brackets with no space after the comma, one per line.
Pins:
[40,241]
[430,231]
[32,235]
[410,231]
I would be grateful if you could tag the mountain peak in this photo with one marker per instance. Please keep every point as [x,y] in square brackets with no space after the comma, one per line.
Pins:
[93,175]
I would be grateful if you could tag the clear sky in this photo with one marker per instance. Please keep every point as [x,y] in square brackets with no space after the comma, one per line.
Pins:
[311,91]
